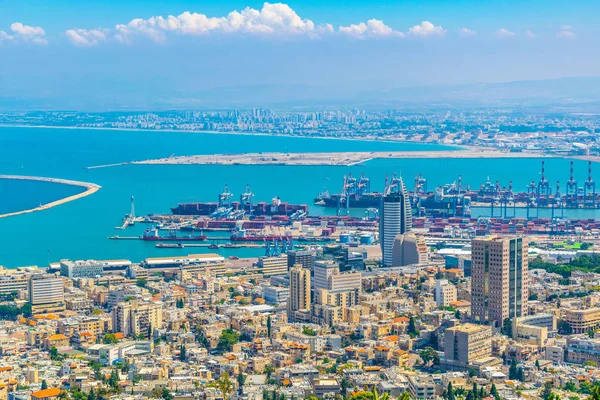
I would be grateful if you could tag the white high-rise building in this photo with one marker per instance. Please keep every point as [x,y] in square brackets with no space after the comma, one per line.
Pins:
[445,292]
[395,217]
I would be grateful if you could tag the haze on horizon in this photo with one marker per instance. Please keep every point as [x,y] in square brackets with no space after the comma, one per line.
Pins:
[97,55]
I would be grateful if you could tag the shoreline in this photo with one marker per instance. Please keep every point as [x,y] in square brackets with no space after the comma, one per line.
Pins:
[91,188]
[363,139]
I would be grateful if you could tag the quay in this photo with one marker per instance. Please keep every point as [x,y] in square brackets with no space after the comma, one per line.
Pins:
[91,188]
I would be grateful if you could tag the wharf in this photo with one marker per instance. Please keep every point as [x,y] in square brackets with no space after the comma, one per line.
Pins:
[91,188]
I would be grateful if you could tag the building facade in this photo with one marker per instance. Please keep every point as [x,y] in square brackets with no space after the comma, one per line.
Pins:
[299,300]
[499,279]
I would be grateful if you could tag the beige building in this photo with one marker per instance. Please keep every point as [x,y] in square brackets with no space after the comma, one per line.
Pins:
[409,249]
[272,266]
[445,292]
[46,293]
[132,318]
[582,321]
[499,279]
[299,300]
[327,275]
[466,343]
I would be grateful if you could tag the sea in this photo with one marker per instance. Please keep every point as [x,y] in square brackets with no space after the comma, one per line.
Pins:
[80,229]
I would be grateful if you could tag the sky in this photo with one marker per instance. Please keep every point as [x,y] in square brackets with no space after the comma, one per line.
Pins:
[131,53]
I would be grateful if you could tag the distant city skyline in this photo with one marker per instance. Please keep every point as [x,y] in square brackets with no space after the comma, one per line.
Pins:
[147,52]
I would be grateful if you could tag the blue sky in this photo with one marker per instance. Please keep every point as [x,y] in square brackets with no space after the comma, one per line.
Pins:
[72,47]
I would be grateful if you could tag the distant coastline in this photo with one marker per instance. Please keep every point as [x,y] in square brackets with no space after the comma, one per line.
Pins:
[91,188]
[366,139]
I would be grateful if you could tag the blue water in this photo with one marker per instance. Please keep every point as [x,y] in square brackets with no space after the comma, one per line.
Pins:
[20,195]
[80,229]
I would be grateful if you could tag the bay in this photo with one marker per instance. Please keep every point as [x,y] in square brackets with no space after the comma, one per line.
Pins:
[80,229]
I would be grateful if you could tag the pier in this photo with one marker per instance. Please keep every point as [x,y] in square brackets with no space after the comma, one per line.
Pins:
[91,188]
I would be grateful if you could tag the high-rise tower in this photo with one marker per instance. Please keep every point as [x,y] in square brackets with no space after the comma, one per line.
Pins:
[395,217]
[499,279]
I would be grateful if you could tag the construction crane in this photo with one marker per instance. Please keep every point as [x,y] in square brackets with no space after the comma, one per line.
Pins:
[571,192]
[225,197]
[247,199]
[589,187]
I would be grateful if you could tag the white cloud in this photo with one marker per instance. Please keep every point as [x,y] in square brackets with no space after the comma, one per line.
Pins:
[566,32]
[426,29]
[86,38]
[272,19]
[466,32]
[504,33]
[25,33]
[530,34]
[372,28]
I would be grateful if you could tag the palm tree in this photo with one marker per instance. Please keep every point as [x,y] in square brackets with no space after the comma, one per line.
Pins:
[376,396]
[405,396]
[595,393]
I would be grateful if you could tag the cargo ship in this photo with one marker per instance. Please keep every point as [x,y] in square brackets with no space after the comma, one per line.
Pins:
[238,209]
[152,235]
[356,193]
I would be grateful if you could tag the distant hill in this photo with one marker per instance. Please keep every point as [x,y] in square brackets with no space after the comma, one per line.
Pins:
[563,94]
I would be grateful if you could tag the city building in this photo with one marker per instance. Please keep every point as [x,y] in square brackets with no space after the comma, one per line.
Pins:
[302,257]
[445,292]
[276,295]
[270,266]
[395,218]
[582,348]
[327,275]
[499,282]
[46,293]
[133,318]
[81,269]
[409,249]
[466,343]
[299,300]
[582,321]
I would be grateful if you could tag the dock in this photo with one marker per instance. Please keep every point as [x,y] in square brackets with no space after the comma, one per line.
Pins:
[91,188]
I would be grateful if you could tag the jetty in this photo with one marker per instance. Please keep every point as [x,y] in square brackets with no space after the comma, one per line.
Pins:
[91,188]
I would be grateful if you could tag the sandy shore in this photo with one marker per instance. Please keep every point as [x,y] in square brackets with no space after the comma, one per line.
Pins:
[342,159]
[91,189]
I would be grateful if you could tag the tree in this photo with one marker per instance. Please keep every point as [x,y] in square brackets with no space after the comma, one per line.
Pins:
[520,374]
[308,331]
[228,338]
[570,387]
[241,379]
[405,396]
[269,369]
[537,364]
[149,333]
[224,384]
[591,363]
[44,384]
[269,326]
[110,338]
[450,392]
[182,353]
[412,327]
[166,394]
[595,393]
[114,379]
[91,395]
[141,282]
[430,355]
[506,327]
[547,391]
[512,370]
[564,327]
[494,392]
[54,356]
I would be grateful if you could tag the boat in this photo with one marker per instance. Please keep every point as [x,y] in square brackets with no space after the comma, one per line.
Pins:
[153,236]
[169,245]
[213,246]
